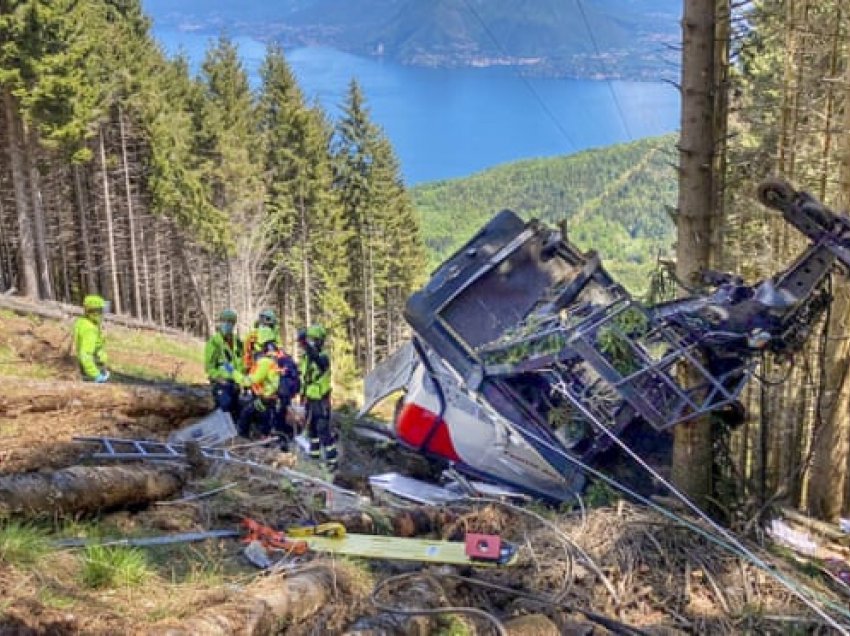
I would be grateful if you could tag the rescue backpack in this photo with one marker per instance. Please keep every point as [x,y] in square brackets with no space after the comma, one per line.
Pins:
[290,379]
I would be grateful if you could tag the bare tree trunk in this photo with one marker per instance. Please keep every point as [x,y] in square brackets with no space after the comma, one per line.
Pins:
[692,449]
[110,237]
[158,273]
[88,265]
[195,284]
[40,233]
[146,272]
[134,258]
[305,265]
[173,401]
[86,489]
[28,279]
[261,606]
[829,474]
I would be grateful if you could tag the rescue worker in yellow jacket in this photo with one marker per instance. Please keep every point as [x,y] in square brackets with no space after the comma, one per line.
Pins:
[315,371]
[222,356]
[259,404]
[266,318]
[89,340]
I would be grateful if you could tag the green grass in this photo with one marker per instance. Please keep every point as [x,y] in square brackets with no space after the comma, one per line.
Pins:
[148,343]
[22,544]
[13,365]
[454,626]
[114,567]
[56,600]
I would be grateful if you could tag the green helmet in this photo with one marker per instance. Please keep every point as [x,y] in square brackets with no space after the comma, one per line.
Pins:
[94,302]
[268,317]
[317,332]
[227,315]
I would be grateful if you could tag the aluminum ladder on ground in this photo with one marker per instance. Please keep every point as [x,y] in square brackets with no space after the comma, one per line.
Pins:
[120,449]
[114,448]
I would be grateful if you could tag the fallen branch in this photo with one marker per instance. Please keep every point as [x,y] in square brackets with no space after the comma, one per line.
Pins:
[84,489]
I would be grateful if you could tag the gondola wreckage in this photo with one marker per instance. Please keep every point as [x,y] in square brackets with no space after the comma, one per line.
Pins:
[528,359]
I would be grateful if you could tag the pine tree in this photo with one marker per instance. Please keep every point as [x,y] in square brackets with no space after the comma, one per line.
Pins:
[228,139]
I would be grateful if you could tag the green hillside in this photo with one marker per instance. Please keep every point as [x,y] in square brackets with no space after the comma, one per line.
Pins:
[613,198]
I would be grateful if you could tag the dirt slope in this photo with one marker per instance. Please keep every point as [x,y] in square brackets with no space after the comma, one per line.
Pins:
[34,350]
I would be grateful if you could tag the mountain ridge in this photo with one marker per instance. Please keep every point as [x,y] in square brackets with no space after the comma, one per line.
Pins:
[613,200]
[579,38]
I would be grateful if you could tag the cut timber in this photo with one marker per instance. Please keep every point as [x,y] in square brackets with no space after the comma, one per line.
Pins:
[401,523]
[259,607]
[64,311]
[538,625]
[40,397]
[830,531]
[86,489]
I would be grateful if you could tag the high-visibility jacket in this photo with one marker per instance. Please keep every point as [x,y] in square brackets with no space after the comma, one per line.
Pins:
[220,351]
[89,344]
[248,349]
[263,377]
[315,368]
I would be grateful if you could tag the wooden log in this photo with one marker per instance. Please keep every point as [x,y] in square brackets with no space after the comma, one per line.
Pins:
[64,311]
[40,397]
[830,531]
[538,625]
[400,523]
[255,610]
[86,489]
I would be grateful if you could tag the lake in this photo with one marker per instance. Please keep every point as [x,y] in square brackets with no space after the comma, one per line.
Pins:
[446,123]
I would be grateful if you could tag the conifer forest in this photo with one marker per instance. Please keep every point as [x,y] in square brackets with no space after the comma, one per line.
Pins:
[176,193]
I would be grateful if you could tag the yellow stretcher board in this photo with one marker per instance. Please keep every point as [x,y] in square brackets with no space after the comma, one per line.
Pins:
[402,549]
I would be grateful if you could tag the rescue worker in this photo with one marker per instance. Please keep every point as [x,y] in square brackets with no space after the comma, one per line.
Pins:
[267,318]
[289,388]
[89,340]
[259,405]
[315,367]
[222,357]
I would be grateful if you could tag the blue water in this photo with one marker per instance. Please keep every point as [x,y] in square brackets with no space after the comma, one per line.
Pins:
[446,123]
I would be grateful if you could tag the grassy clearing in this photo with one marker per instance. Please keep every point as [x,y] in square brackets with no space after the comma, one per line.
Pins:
[187,349]
[114,567]
[22,544]
[12,364]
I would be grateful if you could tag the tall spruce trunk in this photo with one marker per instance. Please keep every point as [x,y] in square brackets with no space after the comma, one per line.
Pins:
[134,252]
[692,449]
[305,262]
[110,229]
[829,473]
[40,231]
[88,264]
[28,278]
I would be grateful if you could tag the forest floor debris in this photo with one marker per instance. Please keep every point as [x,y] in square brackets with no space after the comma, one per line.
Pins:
[581,572]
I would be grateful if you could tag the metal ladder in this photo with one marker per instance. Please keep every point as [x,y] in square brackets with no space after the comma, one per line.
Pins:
[114,448]
[120,449]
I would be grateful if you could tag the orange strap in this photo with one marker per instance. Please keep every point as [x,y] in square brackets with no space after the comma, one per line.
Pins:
[271,538]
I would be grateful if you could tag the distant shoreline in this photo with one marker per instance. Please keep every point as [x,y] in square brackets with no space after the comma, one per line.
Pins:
[615,65]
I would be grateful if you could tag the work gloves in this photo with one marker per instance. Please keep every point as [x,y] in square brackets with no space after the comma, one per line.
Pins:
[102,377]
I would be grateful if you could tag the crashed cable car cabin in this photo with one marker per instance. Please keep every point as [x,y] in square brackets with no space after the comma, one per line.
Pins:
[528,359]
